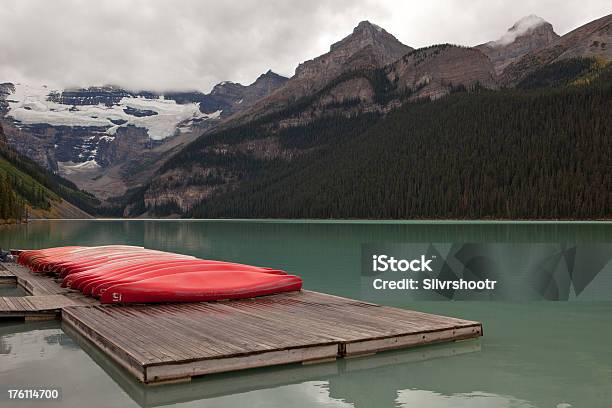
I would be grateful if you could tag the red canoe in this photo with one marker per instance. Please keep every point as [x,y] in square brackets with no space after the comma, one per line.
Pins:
[119,259]
[88,277]
[201,287]
[99,286]
[26,257]
[54,261]
[132,266]
[118,266]
[82,262]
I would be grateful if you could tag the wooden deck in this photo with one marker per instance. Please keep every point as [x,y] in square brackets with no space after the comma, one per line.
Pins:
[174,342]
[34,284]
[35,307]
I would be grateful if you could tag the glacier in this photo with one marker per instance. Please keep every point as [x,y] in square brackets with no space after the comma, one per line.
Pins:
[29,104]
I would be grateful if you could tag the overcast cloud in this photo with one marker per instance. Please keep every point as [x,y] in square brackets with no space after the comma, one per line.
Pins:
[194,44]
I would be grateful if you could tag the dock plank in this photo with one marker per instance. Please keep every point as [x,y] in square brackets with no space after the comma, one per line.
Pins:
[5,273]
[27,305]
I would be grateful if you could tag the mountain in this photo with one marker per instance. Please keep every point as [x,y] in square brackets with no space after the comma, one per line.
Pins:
[313,127]
[231,97]
[108,139]
[503,154]
[367,47]
[592,40]
[529,34]
[354,99]
[27,188]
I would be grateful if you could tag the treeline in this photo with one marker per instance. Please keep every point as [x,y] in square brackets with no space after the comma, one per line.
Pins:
[573,71]
[32,185]
[205,152]
[540,153]
[45,179]
[11,206]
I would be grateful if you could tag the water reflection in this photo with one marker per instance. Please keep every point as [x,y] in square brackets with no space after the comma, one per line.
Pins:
[329,383]
[5,348]
[429,399]
[11,290]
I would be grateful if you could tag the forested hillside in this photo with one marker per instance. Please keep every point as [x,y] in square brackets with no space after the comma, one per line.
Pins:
[26,189]
[543,152]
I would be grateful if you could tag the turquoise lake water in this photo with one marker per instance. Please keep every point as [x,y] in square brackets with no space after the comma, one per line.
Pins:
[533,354]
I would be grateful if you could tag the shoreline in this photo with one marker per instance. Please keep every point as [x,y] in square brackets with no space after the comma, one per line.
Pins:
[338,220]
[12,222]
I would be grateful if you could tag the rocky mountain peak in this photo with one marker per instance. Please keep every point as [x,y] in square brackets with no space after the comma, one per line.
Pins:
[266,83]
[368,46]
[366,34]
[591,40]
[270,76]
[226,87]
[530,33]
[530,25]
[367,28]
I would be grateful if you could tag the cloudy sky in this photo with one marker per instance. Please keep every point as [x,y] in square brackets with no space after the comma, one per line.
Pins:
[193,44]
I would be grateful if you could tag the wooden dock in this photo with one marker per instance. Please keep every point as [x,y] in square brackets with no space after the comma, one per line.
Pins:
[174,342]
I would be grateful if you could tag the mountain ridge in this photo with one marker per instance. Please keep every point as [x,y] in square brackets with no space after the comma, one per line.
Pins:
[364,77]
[593,39]
[218,162]
[367,47]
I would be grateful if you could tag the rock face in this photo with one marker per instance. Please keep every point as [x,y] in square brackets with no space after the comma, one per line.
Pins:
[232,97]
[529,34]
[590,40]
[367,47]
[337,82]
[5,90]
[434,71]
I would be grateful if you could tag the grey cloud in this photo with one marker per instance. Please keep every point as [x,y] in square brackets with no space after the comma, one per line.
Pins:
[191,44]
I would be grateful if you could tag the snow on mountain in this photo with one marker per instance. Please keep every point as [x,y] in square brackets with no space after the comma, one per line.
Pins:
[161,117]
[521,27]
[68,168]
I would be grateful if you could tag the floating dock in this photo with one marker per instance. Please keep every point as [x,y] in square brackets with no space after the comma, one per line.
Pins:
[174,342]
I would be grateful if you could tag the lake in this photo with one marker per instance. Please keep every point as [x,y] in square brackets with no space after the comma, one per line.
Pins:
[533,354]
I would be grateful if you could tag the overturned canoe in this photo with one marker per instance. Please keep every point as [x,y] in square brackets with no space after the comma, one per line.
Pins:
[95,286]
[201,287]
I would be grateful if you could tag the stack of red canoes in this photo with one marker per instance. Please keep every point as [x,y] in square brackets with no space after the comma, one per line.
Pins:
[129,274]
